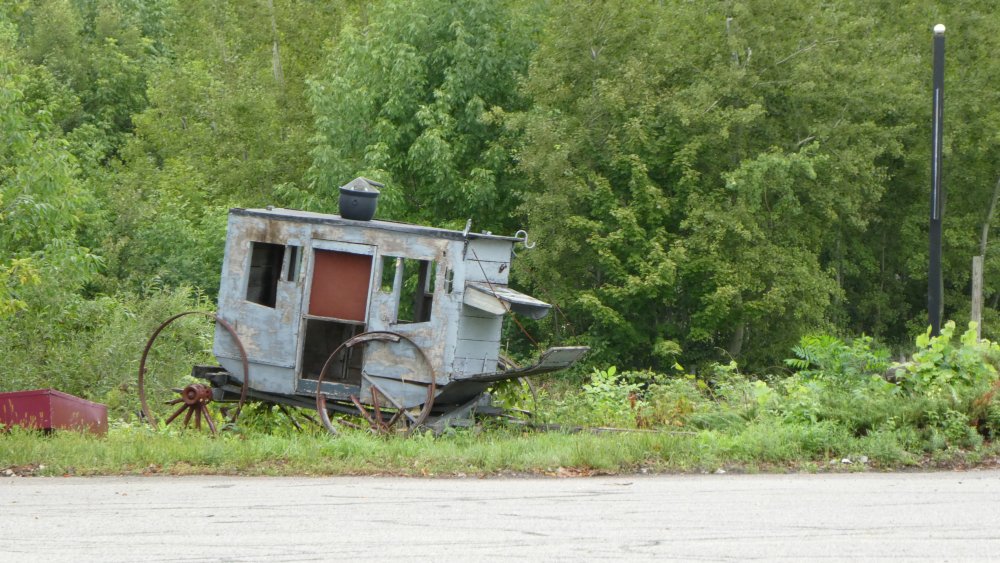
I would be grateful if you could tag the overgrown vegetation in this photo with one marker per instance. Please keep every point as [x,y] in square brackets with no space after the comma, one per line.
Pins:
[944,398]
[843,407]
[709,184]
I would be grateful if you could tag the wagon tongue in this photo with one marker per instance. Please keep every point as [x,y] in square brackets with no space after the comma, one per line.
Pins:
[553,359]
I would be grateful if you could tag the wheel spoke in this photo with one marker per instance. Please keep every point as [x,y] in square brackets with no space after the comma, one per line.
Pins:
[208,418]
[295,423]
[187,417]
[363,411]
[175,415]
[349,424]
[382,426]
[400,411]
[395,418]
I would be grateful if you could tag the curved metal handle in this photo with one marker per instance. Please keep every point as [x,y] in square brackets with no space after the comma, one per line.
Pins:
[522,236]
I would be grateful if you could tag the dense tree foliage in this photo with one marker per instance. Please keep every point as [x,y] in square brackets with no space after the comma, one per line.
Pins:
[709,171]
[412,95]
[705,179]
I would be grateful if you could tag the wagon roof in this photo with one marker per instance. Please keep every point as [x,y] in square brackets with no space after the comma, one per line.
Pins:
[326,219]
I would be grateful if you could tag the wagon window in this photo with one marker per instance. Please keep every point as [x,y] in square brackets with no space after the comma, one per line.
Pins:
[412,281]
[294,262]
[417,294]
[388,273]
[265,271]
[449,280]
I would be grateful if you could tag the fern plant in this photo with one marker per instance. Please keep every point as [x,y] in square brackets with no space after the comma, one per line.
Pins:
[825,356]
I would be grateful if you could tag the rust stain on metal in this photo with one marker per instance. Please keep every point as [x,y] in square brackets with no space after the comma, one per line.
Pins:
[340,285]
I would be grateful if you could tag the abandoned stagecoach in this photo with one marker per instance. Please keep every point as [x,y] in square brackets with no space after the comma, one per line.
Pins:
[395,322]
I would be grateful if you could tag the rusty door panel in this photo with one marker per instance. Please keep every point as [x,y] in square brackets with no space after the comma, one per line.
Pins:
[340,285]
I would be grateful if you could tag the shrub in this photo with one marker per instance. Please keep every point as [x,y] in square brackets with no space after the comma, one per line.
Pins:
[954,383]
[91,347]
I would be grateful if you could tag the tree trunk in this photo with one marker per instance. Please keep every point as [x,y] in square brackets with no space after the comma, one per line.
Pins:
[989,219]
[736,342]
[977,294]
[977,264]
[279,75]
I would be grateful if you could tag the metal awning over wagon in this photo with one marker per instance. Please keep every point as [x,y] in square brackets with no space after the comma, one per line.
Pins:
[498,299]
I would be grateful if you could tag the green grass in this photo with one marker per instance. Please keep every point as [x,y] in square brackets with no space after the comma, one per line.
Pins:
[939,413]
[756,447]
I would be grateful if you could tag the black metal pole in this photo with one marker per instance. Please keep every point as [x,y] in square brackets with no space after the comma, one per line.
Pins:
[935,283]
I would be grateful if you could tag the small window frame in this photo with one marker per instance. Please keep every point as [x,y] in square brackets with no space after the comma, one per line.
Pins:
[292,264]
[265,263]
[418,300]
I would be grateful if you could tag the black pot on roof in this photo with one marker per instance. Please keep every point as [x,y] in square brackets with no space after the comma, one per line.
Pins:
[359,198]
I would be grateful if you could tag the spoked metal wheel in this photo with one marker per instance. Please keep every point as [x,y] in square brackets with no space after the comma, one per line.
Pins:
[382,413]
[159,395]
[384,416]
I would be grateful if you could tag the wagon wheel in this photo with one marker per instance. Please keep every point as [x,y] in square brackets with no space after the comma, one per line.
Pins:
[384,415]
[192,400]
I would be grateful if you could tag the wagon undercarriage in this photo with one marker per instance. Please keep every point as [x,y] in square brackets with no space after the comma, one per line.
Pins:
[457,403]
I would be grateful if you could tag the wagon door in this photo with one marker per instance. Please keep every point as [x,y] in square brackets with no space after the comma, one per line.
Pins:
[405,303]
[335,309]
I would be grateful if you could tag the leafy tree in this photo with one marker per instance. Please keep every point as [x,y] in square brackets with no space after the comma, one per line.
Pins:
[97,50]
[227,124]
[700,172]
[704,180]
[410,94]
[41,201]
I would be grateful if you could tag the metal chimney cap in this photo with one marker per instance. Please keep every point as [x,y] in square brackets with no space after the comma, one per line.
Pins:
[362,184]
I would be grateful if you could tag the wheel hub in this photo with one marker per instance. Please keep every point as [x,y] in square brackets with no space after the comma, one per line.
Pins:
[196,394]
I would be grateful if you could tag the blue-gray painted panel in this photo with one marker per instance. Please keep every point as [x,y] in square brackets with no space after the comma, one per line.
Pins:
[407,395]
[480,328]
[270,379]
[473,366]
[477,349]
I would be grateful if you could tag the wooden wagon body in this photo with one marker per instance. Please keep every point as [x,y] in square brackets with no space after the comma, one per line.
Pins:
[426,305]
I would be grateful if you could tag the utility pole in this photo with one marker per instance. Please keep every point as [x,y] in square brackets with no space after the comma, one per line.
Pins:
[935,283]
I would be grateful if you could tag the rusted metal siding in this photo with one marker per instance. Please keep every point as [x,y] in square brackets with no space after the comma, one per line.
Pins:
[340,285]
[49,409]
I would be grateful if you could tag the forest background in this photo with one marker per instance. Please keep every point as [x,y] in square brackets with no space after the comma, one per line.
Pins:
[707,181]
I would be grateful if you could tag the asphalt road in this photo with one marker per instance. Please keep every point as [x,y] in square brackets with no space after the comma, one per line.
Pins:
[915,516]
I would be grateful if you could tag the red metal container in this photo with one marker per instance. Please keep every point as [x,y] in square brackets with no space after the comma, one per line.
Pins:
[48,409]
